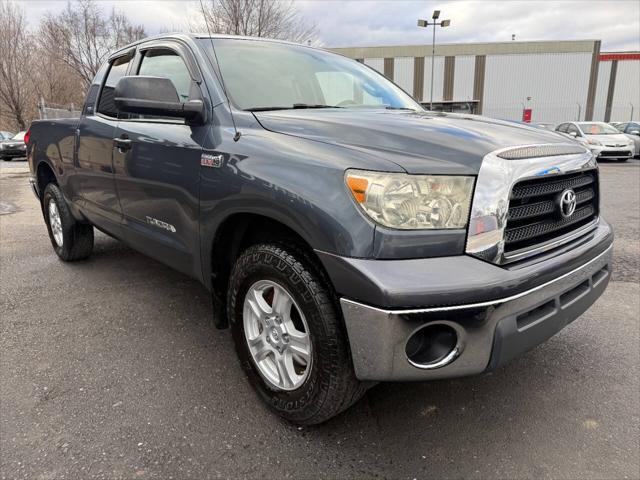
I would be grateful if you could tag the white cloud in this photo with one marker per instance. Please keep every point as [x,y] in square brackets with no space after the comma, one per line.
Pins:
[364,22]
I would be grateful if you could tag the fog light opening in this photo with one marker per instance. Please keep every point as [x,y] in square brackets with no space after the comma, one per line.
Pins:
[432,346]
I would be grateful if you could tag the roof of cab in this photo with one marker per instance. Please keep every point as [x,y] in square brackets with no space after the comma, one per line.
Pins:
[197,36]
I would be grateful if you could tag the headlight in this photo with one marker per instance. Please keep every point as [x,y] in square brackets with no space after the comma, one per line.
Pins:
[409,202]
[593,142]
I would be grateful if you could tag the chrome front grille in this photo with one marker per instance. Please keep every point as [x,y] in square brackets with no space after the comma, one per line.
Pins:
[516,211]
[534,215]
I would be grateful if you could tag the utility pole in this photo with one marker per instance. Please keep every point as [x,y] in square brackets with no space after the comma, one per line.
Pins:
[435,23]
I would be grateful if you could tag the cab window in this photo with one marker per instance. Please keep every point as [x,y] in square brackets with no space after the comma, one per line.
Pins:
[117,70]
[168,64]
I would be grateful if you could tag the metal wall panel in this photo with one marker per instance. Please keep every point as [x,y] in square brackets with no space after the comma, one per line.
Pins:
[377,63]
[463,78]
[599,105]
[626,95]
[438,79]
[403,73]
[557,83]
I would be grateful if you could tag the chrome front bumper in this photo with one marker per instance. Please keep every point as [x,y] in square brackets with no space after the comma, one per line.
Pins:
[489,334]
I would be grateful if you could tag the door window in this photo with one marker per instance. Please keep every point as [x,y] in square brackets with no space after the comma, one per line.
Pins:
[167,64]
[117,70]
[572,128]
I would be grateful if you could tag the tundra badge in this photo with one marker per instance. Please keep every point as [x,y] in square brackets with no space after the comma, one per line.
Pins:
[161,224]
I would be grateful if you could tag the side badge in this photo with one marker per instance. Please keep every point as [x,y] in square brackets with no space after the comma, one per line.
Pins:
[211,160]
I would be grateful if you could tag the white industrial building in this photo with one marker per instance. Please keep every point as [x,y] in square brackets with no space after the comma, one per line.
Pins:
[556,80]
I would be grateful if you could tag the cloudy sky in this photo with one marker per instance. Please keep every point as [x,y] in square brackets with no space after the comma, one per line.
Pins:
[393,22]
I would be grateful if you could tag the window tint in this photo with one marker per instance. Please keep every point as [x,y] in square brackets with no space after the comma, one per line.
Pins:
[168,64]
[632,127]
[562,128]
[106,105]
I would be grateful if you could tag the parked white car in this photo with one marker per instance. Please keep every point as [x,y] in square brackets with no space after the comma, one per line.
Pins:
[601,138]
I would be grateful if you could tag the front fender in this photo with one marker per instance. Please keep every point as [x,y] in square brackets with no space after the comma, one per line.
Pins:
[297,182]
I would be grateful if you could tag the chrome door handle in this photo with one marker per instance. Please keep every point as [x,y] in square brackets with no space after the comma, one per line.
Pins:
[122,144]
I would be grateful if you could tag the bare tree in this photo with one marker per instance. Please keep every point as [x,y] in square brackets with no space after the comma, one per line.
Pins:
[16,48]
[256,18]
[82,36]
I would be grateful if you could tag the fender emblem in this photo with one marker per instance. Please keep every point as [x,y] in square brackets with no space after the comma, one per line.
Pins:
[209,160]
[161,224]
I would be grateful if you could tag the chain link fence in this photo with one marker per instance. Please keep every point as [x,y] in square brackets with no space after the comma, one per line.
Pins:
[49,111]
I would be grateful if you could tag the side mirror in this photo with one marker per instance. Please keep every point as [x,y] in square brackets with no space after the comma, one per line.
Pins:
[156,96]
[573,134]
[635,132]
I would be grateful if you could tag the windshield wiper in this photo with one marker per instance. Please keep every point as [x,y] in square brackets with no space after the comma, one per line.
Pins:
[305,105]
[295,106]
[389,107]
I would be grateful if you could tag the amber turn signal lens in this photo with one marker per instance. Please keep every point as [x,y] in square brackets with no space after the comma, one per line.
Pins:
[358,187]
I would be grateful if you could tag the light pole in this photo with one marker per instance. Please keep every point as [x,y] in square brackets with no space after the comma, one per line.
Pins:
[435,23]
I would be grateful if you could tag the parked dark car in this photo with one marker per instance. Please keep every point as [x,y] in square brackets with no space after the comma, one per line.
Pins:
[13,147]
[347,236]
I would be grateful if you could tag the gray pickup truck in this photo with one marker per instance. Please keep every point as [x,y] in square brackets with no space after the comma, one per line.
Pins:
[347,235]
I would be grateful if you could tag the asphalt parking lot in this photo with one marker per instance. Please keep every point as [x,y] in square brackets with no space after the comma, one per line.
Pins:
[111,368]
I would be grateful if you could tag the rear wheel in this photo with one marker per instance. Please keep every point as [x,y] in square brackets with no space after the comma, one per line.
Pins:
[289,336]
[70,239]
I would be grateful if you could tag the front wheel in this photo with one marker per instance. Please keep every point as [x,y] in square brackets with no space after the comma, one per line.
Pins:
[70,239]
[289,335]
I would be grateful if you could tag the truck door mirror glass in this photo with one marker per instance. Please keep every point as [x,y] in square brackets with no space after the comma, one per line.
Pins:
[156,96]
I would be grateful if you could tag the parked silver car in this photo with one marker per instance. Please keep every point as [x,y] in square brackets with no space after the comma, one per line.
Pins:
[632,131]
[601,138]
[13,147]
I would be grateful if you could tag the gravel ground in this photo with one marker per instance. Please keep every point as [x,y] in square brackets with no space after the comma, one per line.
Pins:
[111,368]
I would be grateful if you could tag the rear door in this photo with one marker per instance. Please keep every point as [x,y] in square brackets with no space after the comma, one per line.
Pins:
[94,182]
[157,175]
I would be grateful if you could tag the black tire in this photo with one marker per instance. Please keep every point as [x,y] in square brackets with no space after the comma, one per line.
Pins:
[622,160]
[330,386]
[6,159]
[77,238]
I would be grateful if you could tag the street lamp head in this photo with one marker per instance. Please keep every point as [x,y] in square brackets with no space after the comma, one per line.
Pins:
[436,14]
[445,23]
[423,23]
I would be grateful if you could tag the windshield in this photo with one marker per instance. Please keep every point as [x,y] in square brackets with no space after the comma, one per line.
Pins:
[19,136]
[263,75]
[597,129]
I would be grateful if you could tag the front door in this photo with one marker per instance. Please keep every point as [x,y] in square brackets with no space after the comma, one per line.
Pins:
[157,170]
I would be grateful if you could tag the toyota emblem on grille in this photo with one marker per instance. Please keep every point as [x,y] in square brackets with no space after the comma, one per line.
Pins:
[567,203]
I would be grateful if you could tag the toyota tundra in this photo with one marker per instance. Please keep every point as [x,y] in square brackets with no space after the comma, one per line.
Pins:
[347,235]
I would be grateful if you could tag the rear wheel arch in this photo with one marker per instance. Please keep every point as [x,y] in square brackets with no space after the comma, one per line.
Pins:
[44,176]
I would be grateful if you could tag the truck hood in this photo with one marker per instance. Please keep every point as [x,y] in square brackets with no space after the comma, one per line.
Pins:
[419,142]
